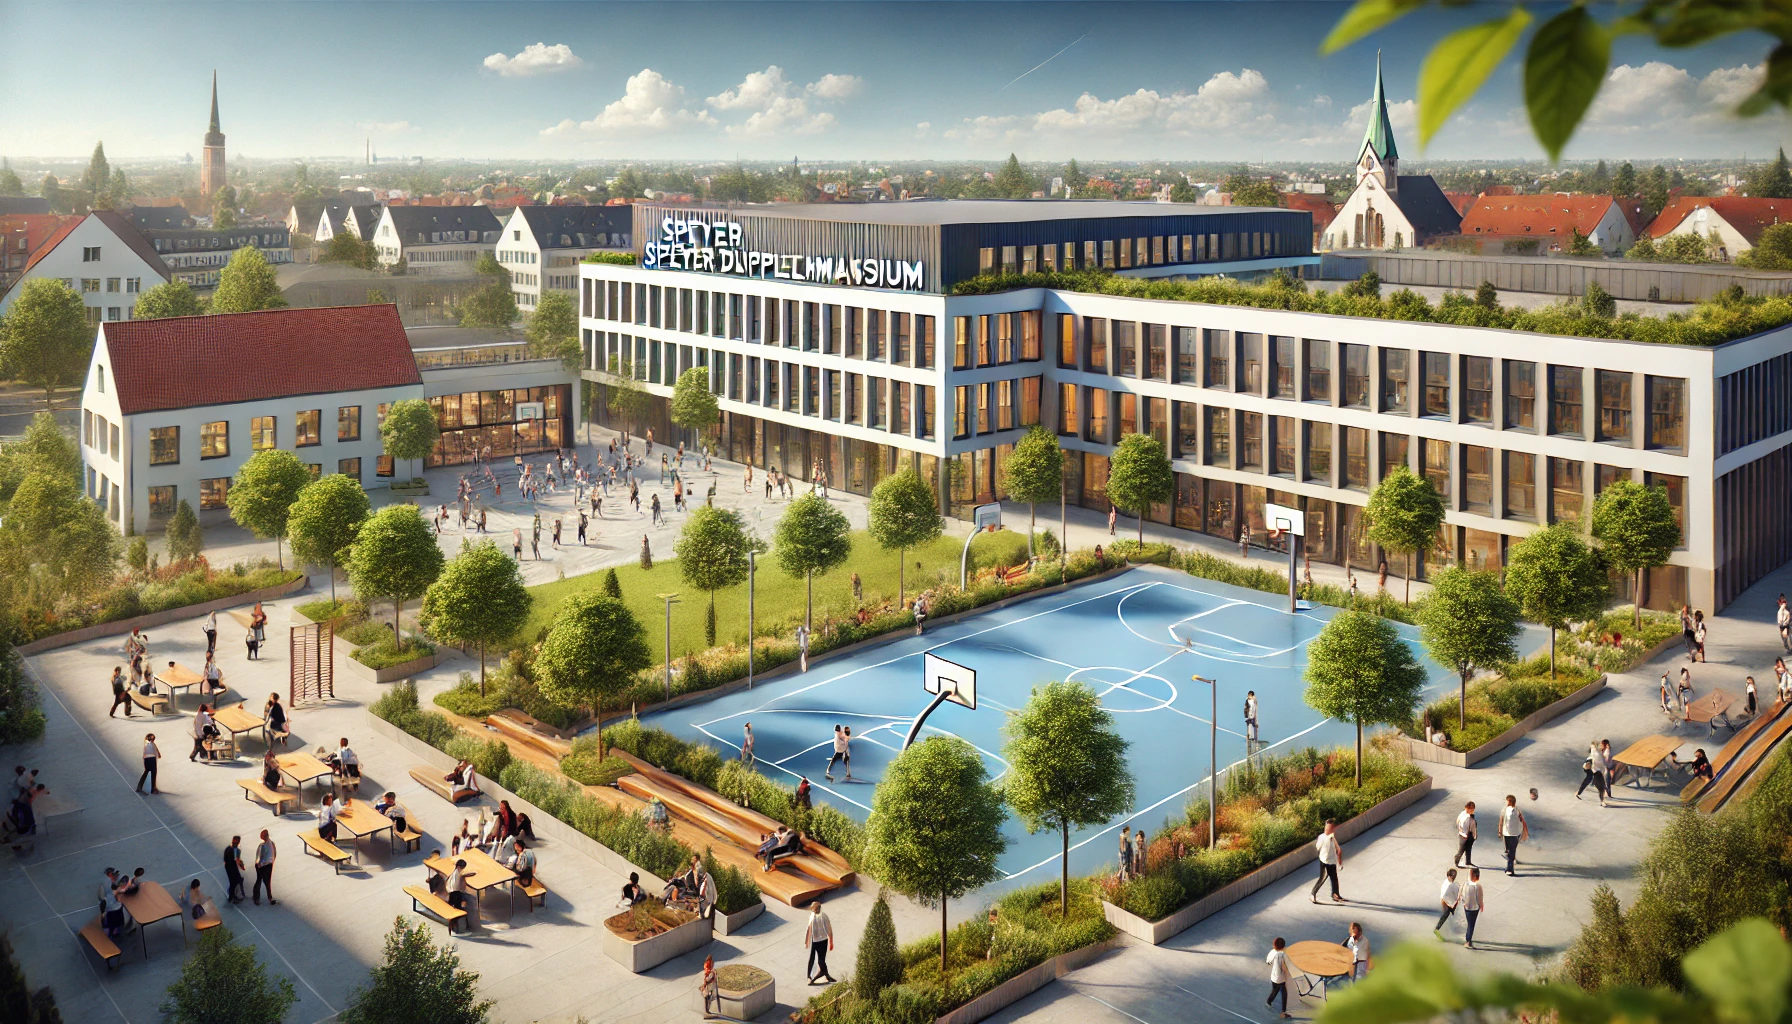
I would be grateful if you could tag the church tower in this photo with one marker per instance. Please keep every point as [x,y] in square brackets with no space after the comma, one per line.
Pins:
[211,164]
[1379,158]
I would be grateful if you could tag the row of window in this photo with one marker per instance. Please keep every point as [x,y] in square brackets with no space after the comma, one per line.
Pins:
[996,406]
[996,339]
[1754,403]
[214,491]
[1432,385]
[100,435]
[1126,253]
[214,437]
[90,285]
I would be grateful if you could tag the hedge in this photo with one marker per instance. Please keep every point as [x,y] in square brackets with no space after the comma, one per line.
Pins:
[177,585]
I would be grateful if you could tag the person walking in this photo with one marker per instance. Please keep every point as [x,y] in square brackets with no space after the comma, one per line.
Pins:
[819,934]
[1278,974]
[1125,852]
[1782,616]
[1698,636]
[120,693]
[265,854]
[1749,690]
[1782,679]
[1474,900]
[233,870]
[151,754]
[1593,769]
[211,632]
[1513,830]
[582,523]
[1448,899]
[1250,716]
[840,754]
[1331,858]
[1113,519]
[1467,831]
[802,646]
[516,543]
[858,590]
[746,745]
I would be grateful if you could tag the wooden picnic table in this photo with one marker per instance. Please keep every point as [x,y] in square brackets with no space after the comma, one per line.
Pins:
[238,719]
[359,819]
[1645,756]
[149,904]
[302,768]
[1326,961]
[1709,708]
[482,872]
[178,677]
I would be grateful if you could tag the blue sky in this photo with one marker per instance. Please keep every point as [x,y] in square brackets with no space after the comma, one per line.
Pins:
[596,79]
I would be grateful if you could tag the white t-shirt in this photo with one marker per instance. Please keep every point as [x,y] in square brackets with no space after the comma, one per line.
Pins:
[1465,825]
[1327,845]
[839,743]
[1278,966]
[1512,819]
[1359,945]
[1450,893]
[1471,896]
[149,749]
[1784,617]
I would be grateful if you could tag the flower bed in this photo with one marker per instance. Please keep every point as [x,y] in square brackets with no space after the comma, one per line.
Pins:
[1497,704]
[384,653]
[179,590]
[652,933]
[1592,645]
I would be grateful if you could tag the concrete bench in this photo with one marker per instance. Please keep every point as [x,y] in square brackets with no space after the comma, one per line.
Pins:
[424,900]
[431,780]
[534,890]
[274,798]
[96,938]
[154,703]
[329,851]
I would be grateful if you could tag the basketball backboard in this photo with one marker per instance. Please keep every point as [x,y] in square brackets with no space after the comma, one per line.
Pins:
[1282,519]
[958,682]
[987,517]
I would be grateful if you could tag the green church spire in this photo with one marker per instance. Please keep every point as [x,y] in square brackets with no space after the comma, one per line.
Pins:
[1378,137]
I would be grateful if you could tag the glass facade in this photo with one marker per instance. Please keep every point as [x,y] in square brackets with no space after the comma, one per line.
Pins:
[501,424]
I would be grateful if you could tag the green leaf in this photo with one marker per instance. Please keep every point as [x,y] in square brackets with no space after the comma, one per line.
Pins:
[1460,63]
[1562,73]
[1365,17]
[1744,970]
[1776,88]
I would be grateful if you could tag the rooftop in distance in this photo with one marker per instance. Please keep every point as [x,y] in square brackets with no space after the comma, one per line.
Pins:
[928,212]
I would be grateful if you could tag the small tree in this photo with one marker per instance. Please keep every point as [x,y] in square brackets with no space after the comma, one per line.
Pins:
[418,981]
[1581,245]
[45,340]
[880,960]
[693,406]
[1557,579]
[903,513]
[628,399]
[612,585]
[553,330]
[224,983]
[1404,513]
[478,599]
[813,537]
[1035,474]
[262,495]
[712,555]
[494,304]
[591,654]
[1468,623]
[1139,476]
[1487,296]
[1358,669]
[1637,530]
[395,557]
[1596,301]
[170,298]
[184,535]
[1066,767]
[247,283]
[324,519]
[935,829]
[410,430]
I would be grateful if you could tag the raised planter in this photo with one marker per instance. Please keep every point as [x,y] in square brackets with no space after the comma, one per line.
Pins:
[729,924]
[1026,983]
[1159,932]
[1419,750]
[387,675]
[742,1003]
[417,487]
[640,955]
[122,626]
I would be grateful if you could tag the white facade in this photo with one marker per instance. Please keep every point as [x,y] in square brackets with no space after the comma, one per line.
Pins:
[440,252]
[1706,223]
[534,269]
[100,266]
[1370,219]
[1613,233]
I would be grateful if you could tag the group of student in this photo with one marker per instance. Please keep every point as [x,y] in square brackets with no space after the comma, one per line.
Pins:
[493,834]
[21,820]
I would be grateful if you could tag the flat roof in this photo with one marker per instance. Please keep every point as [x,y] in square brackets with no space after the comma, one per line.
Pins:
[933,212]
[440,336]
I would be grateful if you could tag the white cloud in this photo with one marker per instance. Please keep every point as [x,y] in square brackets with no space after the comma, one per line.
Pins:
[534,59]
[649,104]
[386,127]
[1404,116]
[777,107]
[835,87]
[983,128]
[1641,98]
[756,92]
[1226,103]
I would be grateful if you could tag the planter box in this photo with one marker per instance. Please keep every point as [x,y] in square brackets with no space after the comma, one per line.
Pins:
[646,954]
[387,675]
[1159,932]
[729,924]
[1026,983]
[1419,750]
[742,1005]
[122,626]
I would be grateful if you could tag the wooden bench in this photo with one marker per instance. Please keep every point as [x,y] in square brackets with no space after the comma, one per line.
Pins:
[96,938]
[154,703]
[329,851]
[429,779]
[535,891]
[424,900]
[411,837]
[209,921]
[274,798]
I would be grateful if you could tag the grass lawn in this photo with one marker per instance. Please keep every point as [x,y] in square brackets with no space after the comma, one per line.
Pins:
[778,598]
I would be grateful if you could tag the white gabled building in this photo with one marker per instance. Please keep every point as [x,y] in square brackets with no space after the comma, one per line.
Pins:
[541,246]
[436,239]
[1388,210]
[104,258]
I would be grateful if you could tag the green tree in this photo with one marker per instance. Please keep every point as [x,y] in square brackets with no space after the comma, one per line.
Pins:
[45,340]
[184,536]
[247,283]
[1359,670]
[345,247]
[1035,474]
[813,537]
[1404,514]
[1772,251]
[68,537]
[1249,191]
[1556,578]
[1643,249]
[694,407]
[1655,191]
[591,654]
[98,175]
[479,599]
[224,983]
[880,959]
[1067,767]
[712,555]
[1581,245]
[1139,476]
[628,399]
[1013,182]
[1624,180]
[410,430]
[170,298]
[43,448]
[612,585]
[224,208]
[262,495]
[324,520]
[1182,192]
[394,556]
[553,330]
[10,185]
[1596,301]
[1074,179]
[119,193]
[1774,181]
[417,981]
[1468,623]
[1637,530]
[935,831]
[494,304]
[51,190]
[1487,296]
[903,513]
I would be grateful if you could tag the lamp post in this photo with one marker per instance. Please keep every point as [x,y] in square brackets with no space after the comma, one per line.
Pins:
[1213,774]
[752,564]
[669,599]
[1063,519]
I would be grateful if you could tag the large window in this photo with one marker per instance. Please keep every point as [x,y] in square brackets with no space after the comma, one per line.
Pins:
[348,423]
[212,491]
[1614,405]
[1567,498]
[1188,355]
[164,446]
[1098,414]
[1477,389]
[1219,358]
[1188,430]
[1067,412]
[1126,348]
[1477,479]
[261,433]
[1319,452]
[1437,467]
[1356,458]
[1250,441]
[214,440]
[1675,486]
[1566,400]
[1030,388]
[1095,344]
[1156,359]
[1521,395]
[1067,340]
[350,468]
[1282,351]
[1319,371]
[1521,486]
[307,426]
[1394,452]
[1355,359]
[1250,359]
[1437,384]
[1219,436]
[1396,380]
[1667,412]
[161,501]
[1030,347]
[1286,437]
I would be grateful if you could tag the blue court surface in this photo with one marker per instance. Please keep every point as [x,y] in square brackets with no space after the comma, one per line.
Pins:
[1124,636]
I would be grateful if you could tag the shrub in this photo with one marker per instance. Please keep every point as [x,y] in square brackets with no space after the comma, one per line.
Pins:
[591,771]
[879,964]
[385,653]
[1518,698]
[488,757]
[1001,550]
[366,632]
[735,891]
[398,705]
[464,699]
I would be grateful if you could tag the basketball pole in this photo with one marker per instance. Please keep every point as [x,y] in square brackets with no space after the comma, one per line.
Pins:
[1213,760]
[915,729]
[1293,543]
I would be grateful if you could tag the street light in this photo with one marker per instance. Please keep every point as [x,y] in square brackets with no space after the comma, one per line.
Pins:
[752,564]
[1213,774]
[670,599]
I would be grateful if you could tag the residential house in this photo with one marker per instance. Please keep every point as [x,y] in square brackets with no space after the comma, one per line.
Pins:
[1736,221]
[1552,220]
[541,246]
[21,234]
[103,257]
[197,255]
[436,239]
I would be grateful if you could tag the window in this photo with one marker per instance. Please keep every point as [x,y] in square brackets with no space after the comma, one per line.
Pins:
[1319,452]
[1095,345]
[1394,452]
[1567,501]
[1250,360]
[1067,340]
[1156,359]
[316,469]
[1219,436]
[1521,486]
[1030,388]
[1477,479]
[1188,355]
[114,284]
[961,410]
[1437,384]
[1667,412]
[1126,348]
[1098,414]
[307,425]
[350,468]
[90,254]
[1002,327]
[924,341]
[1250,441]
[261,433]
[117,449]
[1188,430]
[1030,350]
[1614,406]
[1565,401]
[1605,476]
[214,440]
[1219,358]
[348,423]
[1285,438]
[1067,414]
[1521,395]
[1437,467]
[1282,352]
[161,501]
[382,466]
[1396,380]
[164,446]
[1319,371]
[1356,458]
[1005,405]
[961,346]
[1129,415]
[1675,486]
[212,491]
[1477,389]
[90,284]
[924,405]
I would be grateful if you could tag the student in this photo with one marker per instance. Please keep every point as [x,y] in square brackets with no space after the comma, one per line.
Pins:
[1250,716]
[1358,944]
[214,676]
[1448,899]
[111,911]
[746,745]
[1698,636]
[120,693]
[151,754]
[270,770]
[1666,706]
[1278,974]
[326,817]
[1138,851]
[252,642]
[195,903]
[1685,689]
[839,752]
[1125,852]
[1749,690]
[1699,766]
[709,986]
[522,861]
[706,891]
[211,632]
[233,870]
[1783,617]
[1782,679]
[819,934]
[1467,831]
[1474,900]
[463,840]
[345,761]
[1513,830]
[457,887]
[275,713]
[1331,858]
[203,729]
[632,893]
[802,649]
[801,799]
[265,855]
[1593,772]
[389,806]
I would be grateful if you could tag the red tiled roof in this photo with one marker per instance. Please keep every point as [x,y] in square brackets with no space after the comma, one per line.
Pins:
[1461,200]
[1322,209]
[1747,215]
[1546,216]
[182,362]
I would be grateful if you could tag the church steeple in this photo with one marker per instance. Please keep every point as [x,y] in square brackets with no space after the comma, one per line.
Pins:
[214,127]
[1379,157]
[211,167]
